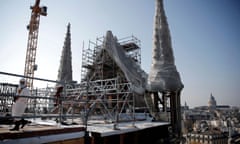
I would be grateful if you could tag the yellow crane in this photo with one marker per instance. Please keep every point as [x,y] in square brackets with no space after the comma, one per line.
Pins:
[33,27]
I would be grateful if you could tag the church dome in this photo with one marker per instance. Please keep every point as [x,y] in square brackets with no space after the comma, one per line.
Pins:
[212,102]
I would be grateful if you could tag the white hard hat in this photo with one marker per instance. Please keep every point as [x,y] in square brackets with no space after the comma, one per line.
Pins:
[22,80]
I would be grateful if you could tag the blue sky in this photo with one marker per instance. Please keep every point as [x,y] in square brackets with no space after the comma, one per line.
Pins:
[205,38]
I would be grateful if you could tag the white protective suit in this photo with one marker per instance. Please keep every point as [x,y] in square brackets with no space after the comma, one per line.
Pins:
[19,106]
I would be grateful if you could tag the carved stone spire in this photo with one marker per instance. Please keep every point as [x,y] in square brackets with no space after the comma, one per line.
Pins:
[65,68]
[163,75]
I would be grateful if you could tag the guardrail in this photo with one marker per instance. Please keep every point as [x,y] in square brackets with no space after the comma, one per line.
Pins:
[40,102]
[109,99]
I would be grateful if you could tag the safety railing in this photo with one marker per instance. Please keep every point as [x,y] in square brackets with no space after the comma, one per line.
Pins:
[40,101]
[112,101]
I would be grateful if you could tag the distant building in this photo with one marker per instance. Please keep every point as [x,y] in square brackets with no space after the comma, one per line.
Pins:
[208,137]
[212,103]
[211,124]
[197,115]
[223,107]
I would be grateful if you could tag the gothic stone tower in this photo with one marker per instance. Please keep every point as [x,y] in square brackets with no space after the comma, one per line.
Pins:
[164,77]
[65,68]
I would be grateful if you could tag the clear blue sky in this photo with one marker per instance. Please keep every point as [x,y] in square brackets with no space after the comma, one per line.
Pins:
[205,37]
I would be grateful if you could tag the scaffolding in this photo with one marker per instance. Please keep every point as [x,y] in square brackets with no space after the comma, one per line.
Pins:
[7,92]
[104,90]
[43,101]
[97,63]
[103,99]
[103,94]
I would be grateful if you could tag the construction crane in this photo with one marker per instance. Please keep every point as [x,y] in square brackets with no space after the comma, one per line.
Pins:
[33,27]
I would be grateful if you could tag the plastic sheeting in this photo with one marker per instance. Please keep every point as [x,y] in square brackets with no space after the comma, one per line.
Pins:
[163,75]
[130,68]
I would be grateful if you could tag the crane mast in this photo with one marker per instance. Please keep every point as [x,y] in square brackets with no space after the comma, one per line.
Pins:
[33,27]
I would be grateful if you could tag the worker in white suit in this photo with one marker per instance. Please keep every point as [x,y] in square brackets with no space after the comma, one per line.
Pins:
[20,104]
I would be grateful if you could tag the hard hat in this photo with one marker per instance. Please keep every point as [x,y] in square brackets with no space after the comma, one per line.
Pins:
[22,80]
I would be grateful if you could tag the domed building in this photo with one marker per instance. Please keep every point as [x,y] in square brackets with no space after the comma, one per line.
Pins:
[212,104]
